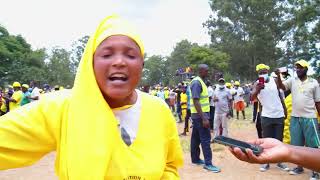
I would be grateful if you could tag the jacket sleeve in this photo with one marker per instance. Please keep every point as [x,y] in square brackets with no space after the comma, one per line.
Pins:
[27,134]
[174,155]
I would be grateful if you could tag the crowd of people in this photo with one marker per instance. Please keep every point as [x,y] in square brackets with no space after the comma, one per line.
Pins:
[268,97]
[16,95]
[105,128]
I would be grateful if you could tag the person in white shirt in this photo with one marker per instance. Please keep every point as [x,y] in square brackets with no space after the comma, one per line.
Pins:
[273,108]
[238,99]
[35,94]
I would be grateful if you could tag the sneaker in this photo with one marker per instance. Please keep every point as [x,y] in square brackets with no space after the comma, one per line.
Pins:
[296,171]
[314,176]
[200,162]
[283,167]
[264,167]
[212,168]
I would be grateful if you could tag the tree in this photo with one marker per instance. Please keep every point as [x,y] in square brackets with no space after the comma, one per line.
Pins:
[303,39]
[155,71]
[178,59]
[59,68]
[77,51]
[249,31]
[18,61]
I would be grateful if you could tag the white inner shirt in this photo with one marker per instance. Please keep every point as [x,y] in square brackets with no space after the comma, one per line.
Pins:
[129,120]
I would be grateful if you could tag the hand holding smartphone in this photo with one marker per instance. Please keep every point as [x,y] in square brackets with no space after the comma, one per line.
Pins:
[239,144]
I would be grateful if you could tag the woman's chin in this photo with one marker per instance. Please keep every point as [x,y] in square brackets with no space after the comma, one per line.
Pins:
[118,94]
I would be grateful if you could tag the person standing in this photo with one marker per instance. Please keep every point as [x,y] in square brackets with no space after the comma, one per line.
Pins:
[222,99]
[178,109]
[35,94]
[273,109]
[305,102]
[211,95]
[26,94]
[166,95]
[160,94]
[200,109]
[186,120]
[15,99]
[238,99]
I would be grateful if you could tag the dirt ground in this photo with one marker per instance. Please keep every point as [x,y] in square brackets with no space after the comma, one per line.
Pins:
[232,169]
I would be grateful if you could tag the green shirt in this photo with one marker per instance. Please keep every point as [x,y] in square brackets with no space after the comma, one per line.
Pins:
[25,99]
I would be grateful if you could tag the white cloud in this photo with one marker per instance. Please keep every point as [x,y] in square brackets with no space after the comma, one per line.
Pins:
[162,23]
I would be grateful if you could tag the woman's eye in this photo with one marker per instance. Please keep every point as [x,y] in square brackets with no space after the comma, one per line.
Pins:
[106,55]
[131,56]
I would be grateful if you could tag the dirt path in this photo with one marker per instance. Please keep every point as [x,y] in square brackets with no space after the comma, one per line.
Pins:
[232,169]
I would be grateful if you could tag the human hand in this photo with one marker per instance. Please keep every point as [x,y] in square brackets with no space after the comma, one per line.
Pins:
[205,123]
[274,151]
[277,72]
[259,86]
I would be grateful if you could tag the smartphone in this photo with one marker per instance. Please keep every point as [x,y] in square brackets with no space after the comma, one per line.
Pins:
[240,144]
[261,80]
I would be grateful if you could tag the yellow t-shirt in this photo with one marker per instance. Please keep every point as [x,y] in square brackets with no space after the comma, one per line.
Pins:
[184,99]
[17,95]
[3,107]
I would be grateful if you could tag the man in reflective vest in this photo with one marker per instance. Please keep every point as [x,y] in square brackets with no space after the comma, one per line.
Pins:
[200,109]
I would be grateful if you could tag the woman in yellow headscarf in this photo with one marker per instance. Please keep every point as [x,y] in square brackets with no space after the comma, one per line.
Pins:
[103,128]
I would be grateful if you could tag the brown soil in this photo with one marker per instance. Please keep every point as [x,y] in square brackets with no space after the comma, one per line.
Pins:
[232,169]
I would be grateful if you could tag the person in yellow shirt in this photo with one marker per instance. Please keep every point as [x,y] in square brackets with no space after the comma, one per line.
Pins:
[102,128]
[183,101]
[16,98]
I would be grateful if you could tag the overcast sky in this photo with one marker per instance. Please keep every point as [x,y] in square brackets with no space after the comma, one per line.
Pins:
[162,23]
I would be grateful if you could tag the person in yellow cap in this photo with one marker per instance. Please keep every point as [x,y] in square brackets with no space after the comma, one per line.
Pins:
[26,95]
[273,110]
[305,103]
[15,99]
[239,100]
[103,128]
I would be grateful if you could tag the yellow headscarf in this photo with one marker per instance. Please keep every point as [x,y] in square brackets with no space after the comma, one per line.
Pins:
[90,118]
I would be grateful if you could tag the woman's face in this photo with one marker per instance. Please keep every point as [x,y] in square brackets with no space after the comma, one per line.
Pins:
[117,64]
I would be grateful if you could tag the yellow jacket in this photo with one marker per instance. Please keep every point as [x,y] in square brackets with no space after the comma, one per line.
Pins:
[3,106]
[286,130]
[82,128]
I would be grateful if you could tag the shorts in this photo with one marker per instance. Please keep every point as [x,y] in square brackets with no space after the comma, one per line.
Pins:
[304,131]
[239,106]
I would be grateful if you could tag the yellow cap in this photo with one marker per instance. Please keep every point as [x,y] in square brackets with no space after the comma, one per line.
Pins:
[16,84]
[260,67]
[25,86]
[115,25]
[302,63]
[237,83]
[228,84]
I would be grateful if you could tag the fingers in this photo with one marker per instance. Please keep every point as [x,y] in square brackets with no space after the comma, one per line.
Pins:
[252,157]
[239,154]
